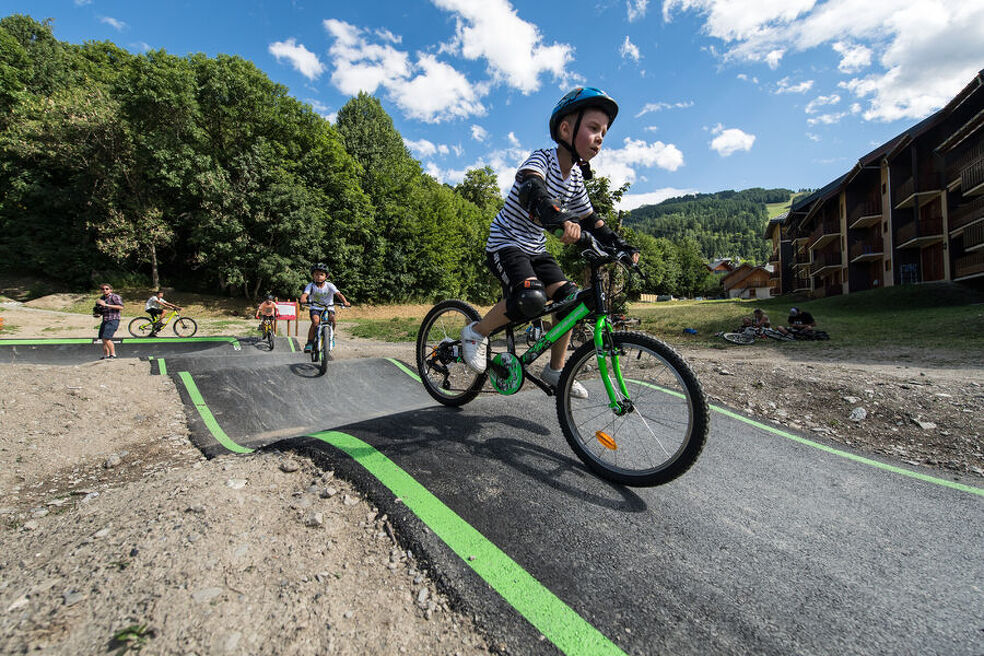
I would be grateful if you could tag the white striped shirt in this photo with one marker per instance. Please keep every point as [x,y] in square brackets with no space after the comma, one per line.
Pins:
[512,225]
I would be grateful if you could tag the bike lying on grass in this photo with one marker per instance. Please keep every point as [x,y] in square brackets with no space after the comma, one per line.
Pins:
[645,420]
[147,327]
[748,335]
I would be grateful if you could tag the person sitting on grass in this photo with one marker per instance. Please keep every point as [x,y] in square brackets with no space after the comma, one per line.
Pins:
[320,295]
[800,323]
[267,310]
[759,319]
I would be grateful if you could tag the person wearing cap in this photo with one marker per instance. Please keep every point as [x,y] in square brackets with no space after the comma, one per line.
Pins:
[800,321]
[547,194]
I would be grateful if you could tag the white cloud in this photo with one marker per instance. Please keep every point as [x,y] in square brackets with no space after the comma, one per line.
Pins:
[632,201]
[636,9]
[303,60]
[513,140]
[620,164]
[423,148]
[820,101]
[926,50]
[812,137]
[142,46]
[479,133]
[731,140]
[428,90]
[629,50]
[660,106]
[783,86]
[117,25]
[82,3]
[512,47]
[853,57]
[826,119]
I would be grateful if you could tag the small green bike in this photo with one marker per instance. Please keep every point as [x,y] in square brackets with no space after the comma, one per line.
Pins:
[646,418]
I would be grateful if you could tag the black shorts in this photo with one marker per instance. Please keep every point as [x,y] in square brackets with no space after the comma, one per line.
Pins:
[512,266]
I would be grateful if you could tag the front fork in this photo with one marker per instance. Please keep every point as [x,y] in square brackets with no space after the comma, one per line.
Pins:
[618,400]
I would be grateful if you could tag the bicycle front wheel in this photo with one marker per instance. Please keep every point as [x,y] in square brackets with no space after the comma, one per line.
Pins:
[185,327]
[324,346]
[742,339]
[442,371]
[268,329]
[141,327]
[664,428]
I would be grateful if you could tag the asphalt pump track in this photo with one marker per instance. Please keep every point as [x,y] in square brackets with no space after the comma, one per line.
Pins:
[774,543]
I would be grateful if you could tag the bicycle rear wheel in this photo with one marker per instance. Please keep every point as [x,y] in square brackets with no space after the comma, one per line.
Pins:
[442,371]
[141,327]
[664,430]
[743,339]
[776,335]
[185,327]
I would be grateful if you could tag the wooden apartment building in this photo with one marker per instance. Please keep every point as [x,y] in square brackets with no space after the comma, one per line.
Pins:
[910,211]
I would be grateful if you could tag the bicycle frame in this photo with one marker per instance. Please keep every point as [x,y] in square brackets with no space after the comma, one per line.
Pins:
[618,400]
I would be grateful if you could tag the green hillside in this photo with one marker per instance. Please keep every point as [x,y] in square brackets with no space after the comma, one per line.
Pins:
[724,224]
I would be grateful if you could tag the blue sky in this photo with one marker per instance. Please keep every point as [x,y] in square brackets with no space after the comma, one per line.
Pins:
[714,94]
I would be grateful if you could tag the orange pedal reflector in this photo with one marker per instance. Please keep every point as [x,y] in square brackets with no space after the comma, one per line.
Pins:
[606,440]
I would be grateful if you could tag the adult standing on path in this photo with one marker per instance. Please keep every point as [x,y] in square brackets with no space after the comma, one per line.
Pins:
[110,305]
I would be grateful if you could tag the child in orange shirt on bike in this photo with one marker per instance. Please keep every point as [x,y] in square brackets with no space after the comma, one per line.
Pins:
[267,310]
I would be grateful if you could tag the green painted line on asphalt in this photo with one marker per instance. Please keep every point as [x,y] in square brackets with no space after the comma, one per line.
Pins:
[851,456]
[290,343]
[161,367]
[134,340]
[405,369]
[208,417]
[567,630]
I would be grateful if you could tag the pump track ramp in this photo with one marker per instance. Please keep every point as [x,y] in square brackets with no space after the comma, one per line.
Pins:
[774,543]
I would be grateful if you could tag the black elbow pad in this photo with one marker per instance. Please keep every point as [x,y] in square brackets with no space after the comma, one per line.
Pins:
[535,199]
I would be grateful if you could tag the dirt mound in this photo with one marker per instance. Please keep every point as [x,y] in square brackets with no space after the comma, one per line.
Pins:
[56,301]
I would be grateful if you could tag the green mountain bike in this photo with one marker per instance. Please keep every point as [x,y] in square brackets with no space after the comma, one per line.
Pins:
[646,418]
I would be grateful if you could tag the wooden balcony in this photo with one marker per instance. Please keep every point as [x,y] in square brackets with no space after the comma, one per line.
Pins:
[973,237]
[866,250]
[864,215]
[905,194]
[955,166]
[972,179]
[824,233]
[920,233]
[826,261]
[802,260]
[969,265]
[967,213]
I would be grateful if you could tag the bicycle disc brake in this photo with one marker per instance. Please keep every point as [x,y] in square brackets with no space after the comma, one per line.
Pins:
[511,377]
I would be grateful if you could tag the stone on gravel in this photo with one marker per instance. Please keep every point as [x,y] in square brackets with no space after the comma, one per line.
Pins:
[858,414]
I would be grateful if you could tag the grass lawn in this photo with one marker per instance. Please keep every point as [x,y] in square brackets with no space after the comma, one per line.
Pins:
[939,315]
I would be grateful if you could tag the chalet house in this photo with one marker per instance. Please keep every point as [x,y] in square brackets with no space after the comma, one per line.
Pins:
[722,266]
[910,211]
[748,281]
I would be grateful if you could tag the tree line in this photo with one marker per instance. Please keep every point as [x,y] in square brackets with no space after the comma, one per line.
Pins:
[724,224]
[202,172]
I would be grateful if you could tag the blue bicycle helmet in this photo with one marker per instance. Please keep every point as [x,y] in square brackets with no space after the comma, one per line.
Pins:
[576,101]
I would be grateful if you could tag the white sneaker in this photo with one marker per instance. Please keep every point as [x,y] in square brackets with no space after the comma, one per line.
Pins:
[553,378]
[473,348]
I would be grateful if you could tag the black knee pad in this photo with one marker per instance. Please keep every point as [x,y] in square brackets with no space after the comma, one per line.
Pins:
[526,300]
[565,291]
